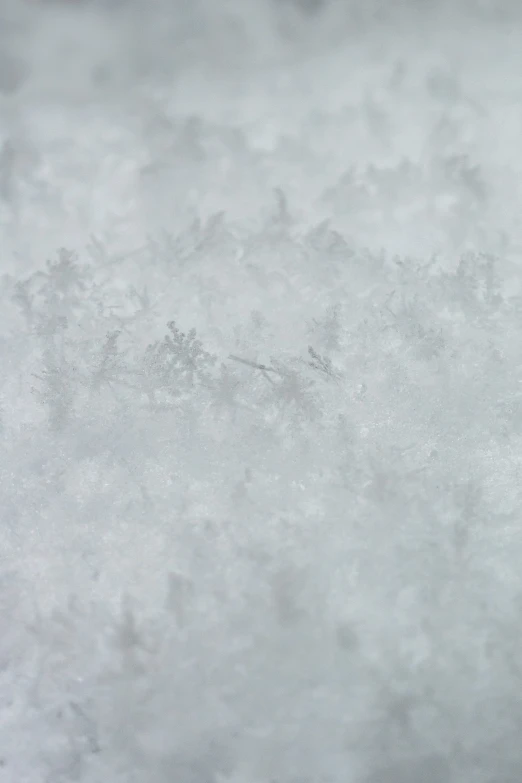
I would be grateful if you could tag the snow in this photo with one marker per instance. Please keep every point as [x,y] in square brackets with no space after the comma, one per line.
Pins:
[260,403]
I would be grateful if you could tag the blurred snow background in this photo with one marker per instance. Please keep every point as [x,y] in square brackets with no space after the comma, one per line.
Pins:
[260,402]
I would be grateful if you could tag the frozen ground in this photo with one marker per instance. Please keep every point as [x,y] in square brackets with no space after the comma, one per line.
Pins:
[261,412]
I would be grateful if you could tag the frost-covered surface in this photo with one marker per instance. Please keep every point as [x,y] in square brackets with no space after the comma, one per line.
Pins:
[261,413]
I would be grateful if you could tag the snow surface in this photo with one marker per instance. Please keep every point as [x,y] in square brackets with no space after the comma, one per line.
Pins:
[260,401]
